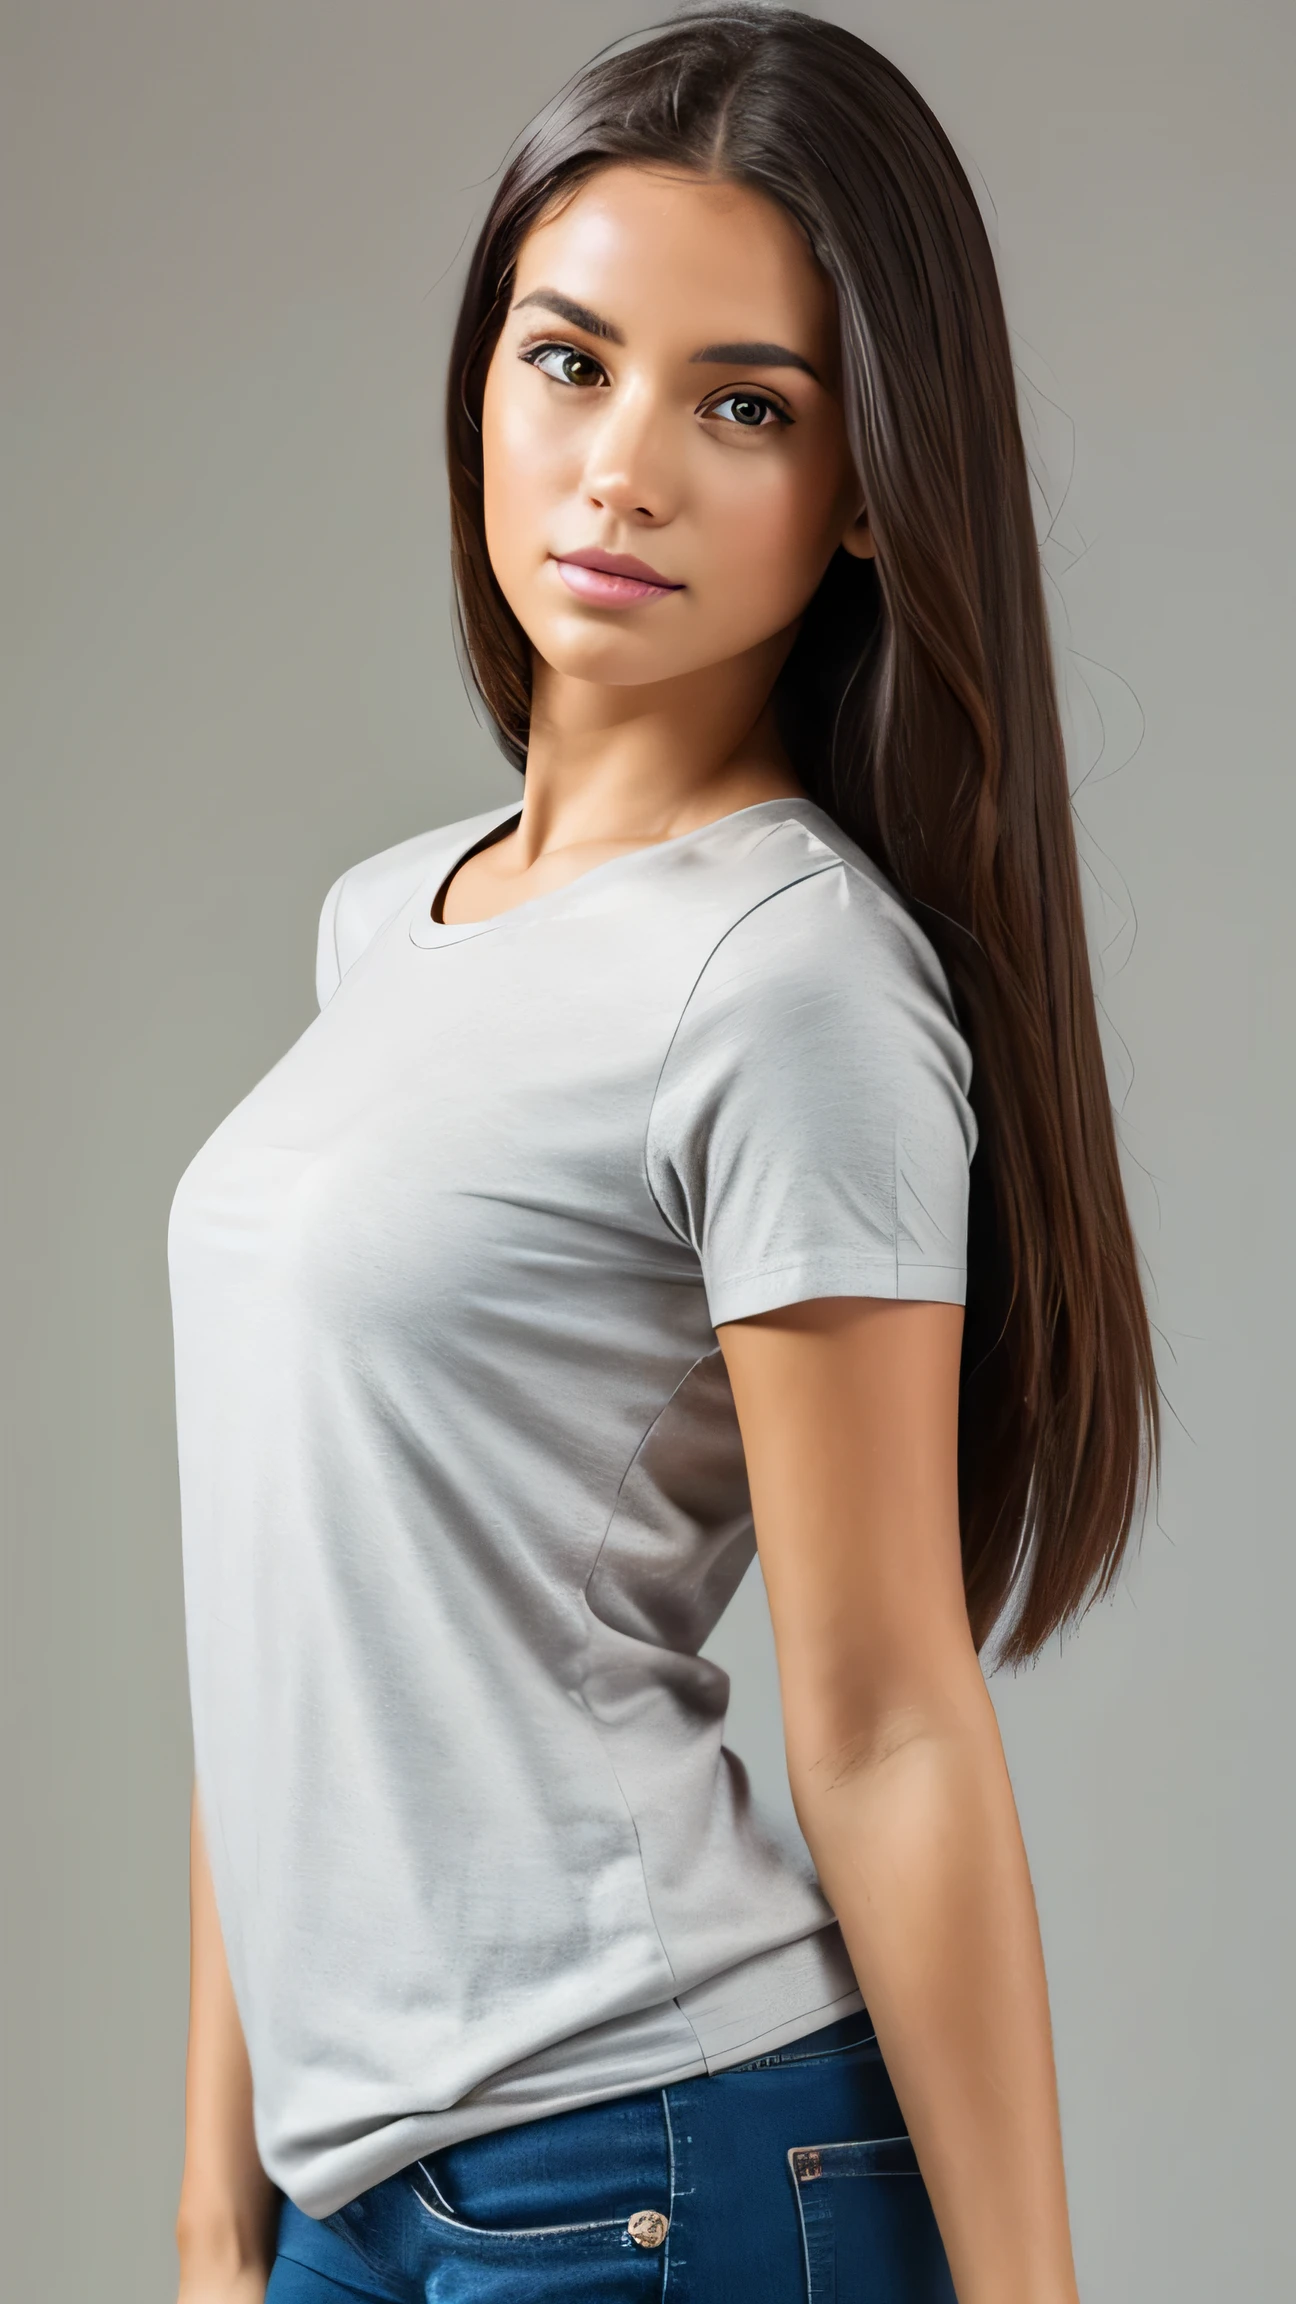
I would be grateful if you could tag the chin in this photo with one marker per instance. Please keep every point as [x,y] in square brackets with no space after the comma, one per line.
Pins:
[611,659]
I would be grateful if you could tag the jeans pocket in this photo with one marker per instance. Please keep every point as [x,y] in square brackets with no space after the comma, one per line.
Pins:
[868,2234]
[643,2228]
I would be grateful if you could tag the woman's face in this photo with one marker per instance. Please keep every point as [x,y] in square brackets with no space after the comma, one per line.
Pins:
[665,393]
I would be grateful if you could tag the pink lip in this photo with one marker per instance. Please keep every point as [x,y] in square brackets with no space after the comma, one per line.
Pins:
[612,579]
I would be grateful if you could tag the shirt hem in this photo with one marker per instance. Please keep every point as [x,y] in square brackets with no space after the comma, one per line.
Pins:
[751,2008]
[765,1291]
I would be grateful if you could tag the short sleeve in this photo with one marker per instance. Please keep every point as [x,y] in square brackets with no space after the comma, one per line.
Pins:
[811,1133]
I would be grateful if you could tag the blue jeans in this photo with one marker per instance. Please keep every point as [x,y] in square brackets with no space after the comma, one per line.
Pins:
[787,2179]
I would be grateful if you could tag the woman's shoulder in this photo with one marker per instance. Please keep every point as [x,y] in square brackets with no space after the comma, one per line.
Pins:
[830,923]
[811,1126]
[368,894]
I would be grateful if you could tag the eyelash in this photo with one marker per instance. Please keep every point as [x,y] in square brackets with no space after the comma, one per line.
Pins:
[533,354]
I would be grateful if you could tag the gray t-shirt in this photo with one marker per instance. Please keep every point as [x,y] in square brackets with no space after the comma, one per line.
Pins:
[462,1488]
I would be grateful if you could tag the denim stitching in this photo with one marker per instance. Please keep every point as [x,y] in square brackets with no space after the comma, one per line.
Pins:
[801,2226]
[445,2215]
[670,2187]
[778,2056]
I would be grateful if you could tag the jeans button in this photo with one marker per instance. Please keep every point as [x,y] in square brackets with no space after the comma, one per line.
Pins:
[648,2227]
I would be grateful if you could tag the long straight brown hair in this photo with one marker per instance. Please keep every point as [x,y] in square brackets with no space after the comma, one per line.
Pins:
[918,707]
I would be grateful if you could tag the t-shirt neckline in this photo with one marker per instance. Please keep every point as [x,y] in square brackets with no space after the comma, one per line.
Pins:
[432,934]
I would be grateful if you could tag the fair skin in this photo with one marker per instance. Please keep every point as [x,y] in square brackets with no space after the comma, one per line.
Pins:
[666,388]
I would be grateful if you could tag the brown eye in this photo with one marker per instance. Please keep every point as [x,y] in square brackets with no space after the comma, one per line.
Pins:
[565,364]
[748,409]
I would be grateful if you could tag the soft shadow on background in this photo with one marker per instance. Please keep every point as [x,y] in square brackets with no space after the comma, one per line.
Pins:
[232,238]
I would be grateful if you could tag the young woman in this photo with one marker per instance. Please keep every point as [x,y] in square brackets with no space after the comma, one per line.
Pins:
[625,1196]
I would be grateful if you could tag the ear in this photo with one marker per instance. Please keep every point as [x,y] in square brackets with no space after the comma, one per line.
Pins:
[858,539]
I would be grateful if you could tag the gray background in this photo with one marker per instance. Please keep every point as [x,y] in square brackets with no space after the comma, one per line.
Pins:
[232,236]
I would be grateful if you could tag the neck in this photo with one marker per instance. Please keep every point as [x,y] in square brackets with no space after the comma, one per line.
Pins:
[630,764]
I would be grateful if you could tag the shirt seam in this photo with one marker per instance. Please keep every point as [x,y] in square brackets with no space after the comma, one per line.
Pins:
[812,872]
[588,1605]
[332,906]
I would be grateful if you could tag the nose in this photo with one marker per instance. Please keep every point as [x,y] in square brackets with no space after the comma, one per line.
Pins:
[628,466]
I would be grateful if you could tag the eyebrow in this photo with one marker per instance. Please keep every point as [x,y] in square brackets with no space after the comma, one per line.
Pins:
[756,356]
[747,355]
[577,315]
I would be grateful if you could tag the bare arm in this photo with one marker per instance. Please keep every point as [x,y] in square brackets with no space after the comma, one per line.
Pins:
[225,2225]
[848,1411]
